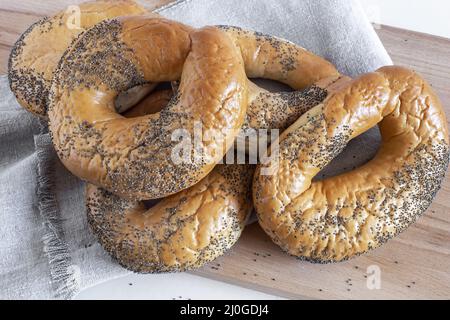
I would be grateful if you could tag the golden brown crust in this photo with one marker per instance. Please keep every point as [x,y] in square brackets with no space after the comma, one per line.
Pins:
[133,157]
[90,137]
[98,146]
[312,77]
[137,237]
[33,61]
[278,110]
[344,216]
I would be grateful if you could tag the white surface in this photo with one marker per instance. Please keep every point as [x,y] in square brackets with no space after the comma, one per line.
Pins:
[431,16]
[181,286]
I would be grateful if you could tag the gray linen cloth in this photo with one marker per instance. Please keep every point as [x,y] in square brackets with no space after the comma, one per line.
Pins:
[46,248]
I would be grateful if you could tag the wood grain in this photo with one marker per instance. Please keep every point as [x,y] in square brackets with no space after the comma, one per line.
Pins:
[414,265]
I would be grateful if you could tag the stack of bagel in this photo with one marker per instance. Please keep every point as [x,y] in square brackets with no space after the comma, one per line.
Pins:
[112,122]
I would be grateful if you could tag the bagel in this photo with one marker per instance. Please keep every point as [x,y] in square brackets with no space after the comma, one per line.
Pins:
[36,54]
[278,110]
[274,110]
[344,216]
[132,157]
[98,145]
[181,232]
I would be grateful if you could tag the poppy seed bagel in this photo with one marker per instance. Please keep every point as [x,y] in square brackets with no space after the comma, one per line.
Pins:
[181,232]
[279,110]
[37,52]
[346,215]
[32,62]
[268,57]
[133,157]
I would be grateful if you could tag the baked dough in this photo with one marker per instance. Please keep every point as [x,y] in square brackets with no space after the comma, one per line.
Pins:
[36,54]
[346,215]
[181,232]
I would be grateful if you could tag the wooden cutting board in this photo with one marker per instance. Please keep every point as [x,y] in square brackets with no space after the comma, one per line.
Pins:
[414,265]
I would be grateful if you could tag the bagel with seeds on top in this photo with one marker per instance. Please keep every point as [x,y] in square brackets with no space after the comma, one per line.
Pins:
[133,157]
[341,217]
[273,58]
[278,110]
[181,232]
[36,54]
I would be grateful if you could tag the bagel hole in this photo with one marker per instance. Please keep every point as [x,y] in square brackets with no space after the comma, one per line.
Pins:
[151,203]
[164,86]
[130,98]
[271,85]
[357,153]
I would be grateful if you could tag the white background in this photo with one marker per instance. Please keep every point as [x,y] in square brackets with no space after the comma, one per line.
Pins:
[430,16]
[427,16]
